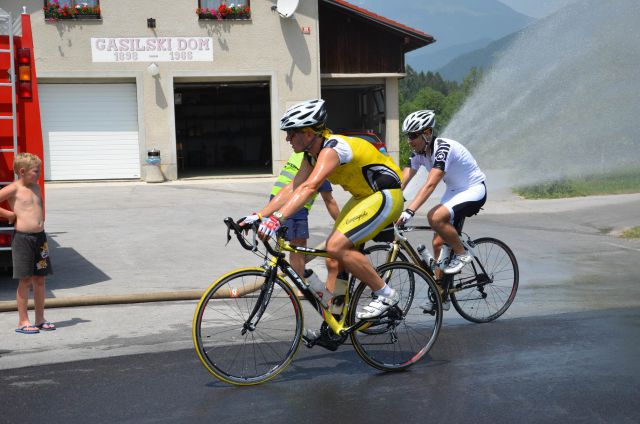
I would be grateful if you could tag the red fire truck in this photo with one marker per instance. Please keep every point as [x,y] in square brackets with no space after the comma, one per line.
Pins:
[20,128]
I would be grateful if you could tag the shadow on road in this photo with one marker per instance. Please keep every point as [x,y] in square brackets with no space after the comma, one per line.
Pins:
[70,269]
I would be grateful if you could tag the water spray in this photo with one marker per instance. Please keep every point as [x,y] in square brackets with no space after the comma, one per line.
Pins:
[563,100]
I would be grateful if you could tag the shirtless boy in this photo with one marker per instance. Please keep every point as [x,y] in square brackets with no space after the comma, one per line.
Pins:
[29,246]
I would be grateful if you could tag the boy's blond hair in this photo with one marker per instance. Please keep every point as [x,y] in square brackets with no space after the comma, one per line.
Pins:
[26,161]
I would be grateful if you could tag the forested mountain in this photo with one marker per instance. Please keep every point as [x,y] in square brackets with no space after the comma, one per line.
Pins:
[459,26]
[482,58]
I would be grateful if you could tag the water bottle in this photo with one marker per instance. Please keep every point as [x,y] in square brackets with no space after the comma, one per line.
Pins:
[339,291]
[317,285]
[426,256]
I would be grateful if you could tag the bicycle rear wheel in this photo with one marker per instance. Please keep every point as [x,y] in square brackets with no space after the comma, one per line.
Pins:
[486,287]
[406,333]
[245,329]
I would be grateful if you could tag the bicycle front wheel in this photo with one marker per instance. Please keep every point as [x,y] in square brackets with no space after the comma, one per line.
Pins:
[486,287]
[378,254]
[401,337]
[246,329]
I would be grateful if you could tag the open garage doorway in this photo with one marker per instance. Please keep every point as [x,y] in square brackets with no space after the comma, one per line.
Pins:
[222,129]
[355,107]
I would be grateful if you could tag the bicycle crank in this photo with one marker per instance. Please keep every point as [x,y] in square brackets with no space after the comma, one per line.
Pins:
[327,339]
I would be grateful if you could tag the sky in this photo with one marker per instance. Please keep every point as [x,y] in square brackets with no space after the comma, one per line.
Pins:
[533,8]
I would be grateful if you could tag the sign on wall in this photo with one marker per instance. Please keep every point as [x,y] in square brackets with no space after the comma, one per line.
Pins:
[152,49]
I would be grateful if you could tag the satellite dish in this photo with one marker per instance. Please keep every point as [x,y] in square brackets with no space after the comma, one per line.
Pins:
[286,8]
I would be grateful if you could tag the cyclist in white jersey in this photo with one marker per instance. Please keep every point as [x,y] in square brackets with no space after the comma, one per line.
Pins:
[450,161]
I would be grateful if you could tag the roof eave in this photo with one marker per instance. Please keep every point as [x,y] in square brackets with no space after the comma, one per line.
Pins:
[417,39]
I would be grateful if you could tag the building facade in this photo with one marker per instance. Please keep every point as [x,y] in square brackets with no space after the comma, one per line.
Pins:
[204,82]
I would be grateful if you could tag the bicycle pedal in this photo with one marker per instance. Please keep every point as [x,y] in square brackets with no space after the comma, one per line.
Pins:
[308,343]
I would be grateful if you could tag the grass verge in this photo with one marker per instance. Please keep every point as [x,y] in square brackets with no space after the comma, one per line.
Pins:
[618,183]
[631,233]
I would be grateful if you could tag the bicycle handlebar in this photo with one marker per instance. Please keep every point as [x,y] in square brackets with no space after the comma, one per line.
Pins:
[414,228]
[238,230]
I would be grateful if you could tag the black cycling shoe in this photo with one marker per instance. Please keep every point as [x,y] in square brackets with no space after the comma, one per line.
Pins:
[322,337]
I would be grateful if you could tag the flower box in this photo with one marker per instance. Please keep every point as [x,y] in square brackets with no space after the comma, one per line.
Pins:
[224,12]
[54,12]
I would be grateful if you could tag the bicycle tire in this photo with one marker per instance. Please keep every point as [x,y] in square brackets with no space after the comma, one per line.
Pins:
[406,339]
[257,355]
[489,294]
[376,259]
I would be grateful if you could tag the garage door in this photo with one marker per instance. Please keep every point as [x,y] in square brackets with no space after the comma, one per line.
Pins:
[90,131]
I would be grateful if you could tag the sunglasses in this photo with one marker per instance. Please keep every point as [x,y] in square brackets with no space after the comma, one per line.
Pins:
[413,135]
[293,131]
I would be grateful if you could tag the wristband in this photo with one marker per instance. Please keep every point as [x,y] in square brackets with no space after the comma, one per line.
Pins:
[410,211]
[278,215]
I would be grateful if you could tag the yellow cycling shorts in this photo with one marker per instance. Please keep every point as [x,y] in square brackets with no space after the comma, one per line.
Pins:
[361,219]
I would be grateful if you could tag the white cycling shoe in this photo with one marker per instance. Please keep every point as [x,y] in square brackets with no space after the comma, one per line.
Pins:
[379,305]
[428,305]
[458,262]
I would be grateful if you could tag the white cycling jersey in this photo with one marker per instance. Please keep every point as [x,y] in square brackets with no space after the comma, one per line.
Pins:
[460,168]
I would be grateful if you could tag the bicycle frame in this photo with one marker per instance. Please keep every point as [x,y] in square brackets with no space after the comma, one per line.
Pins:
[338,326]
[277,262]
[401,242]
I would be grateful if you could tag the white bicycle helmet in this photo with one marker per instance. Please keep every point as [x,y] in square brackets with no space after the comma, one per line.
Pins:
[305,114]
[419,121]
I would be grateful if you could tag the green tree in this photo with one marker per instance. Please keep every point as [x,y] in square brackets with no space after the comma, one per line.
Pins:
[471,81]
[419,90]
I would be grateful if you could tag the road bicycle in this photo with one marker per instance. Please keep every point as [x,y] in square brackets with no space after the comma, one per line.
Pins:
[248,324]
[481,292]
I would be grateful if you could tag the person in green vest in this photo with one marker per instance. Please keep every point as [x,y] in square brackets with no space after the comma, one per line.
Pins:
[298,223]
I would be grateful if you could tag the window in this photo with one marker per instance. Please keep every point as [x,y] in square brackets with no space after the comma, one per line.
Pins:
[74,3]
[211,4]
[71,9]
[222,9]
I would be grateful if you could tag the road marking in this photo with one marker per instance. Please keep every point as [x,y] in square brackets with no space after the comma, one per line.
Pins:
[623,247]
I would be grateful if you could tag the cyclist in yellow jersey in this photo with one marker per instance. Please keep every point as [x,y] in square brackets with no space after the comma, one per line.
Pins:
[371,177]
[298,224]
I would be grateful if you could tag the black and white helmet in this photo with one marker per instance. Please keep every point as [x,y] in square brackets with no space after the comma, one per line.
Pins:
[419,121]
[305,114]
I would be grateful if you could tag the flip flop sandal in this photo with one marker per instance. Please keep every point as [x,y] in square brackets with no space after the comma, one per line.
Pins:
[46,326]
[28,329]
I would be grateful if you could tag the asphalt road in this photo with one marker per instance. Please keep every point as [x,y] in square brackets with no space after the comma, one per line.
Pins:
[564,352]
[569,368]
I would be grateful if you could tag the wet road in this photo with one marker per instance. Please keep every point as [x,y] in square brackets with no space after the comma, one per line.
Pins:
[570,368]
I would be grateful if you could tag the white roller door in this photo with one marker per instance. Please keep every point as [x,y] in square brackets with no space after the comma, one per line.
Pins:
[90,131]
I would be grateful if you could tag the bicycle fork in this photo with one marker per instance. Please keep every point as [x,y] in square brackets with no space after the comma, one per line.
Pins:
[261,303]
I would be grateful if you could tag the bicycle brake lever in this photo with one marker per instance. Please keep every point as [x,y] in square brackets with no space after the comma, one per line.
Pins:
[228,235]
[255,240]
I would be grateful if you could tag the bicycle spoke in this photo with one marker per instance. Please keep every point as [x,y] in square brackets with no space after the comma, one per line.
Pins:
[401,342]
[489,296]
[267,345]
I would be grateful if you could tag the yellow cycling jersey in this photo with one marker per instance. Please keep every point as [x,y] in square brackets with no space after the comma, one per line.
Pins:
[363,169]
